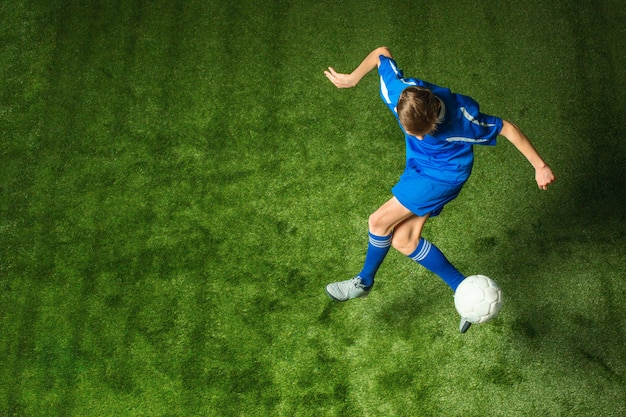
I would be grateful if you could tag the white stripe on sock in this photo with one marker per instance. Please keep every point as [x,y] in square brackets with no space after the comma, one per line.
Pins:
[423,253]
[380,243]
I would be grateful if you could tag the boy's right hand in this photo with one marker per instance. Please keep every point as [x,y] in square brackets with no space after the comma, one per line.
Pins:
[339,80]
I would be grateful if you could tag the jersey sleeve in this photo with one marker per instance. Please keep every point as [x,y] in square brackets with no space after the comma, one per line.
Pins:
[484,128]
[392,82]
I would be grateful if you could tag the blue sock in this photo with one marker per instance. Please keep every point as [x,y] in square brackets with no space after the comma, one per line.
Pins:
[431,258]
[376,251]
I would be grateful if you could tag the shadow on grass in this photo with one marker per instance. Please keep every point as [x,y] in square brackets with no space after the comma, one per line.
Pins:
[573,251]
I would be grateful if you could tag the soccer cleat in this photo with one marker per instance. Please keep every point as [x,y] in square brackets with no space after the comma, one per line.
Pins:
[464,325]
[346,290]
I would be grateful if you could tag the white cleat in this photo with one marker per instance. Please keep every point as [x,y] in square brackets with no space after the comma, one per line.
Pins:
[347,290]
[464,325]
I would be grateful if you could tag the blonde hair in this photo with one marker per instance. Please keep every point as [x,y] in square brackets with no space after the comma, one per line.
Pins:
[418,110]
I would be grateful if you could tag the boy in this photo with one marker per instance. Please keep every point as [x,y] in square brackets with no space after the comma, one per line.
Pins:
[440,130]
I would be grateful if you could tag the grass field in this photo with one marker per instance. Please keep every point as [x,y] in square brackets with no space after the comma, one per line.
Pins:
[179,182]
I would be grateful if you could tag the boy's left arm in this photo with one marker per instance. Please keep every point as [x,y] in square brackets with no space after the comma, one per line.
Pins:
[543,173]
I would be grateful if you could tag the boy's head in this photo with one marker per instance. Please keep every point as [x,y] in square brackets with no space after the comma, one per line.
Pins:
[418,110]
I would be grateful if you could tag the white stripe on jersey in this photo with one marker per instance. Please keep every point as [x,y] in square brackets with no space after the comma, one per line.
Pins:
[469,140]
[384,91]
[473,119]
[383,87]
[393,67]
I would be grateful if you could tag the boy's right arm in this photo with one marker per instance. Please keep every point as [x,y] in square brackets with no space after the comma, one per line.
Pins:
[370,62]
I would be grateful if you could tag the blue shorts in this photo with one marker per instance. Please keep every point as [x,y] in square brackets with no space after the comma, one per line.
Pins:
[424,195]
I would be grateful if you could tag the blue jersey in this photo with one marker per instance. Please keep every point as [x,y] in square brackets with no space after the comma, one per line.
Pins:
[447,154]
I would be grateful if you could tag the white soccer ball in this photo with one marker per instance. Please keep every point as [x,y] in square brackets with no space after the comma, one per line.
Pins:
[478,299]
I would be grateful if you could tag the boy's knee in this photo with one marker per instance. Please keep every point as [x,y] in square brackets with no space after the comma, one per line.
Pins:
[374,222]
[403,243]
[378,224]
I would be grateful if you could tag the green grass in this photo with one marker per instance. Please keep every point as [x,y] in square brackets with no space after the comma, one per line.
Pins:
[179,182]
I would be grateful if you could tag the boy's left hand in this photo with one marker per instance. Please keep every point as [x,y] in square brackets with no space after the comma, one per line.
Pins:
[544,177]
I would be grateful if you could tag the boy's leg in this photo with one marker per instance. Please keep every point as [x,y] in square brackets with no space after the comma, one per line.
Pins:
[407,239]
[407,236]
[431,258]
[377,249]
[381,225]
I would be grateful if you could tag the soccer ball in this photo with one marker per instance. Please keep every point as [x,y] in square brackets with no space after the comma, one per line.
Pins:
[478,299]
